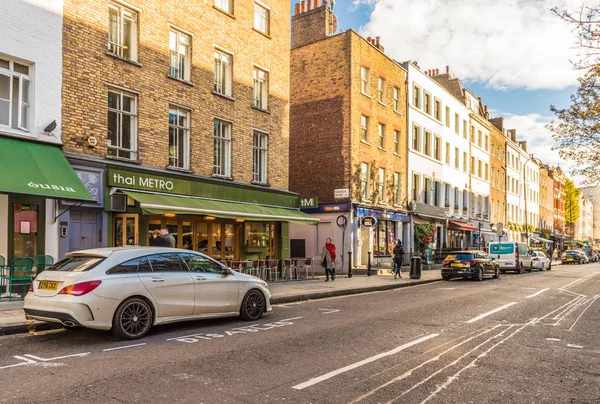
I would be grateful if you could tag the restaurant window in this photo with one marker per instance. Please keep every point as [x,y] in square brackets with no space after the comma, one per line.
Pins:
[15,94]
[180,46]
[122,31]
[222,241]
[261,18]
[122,124]
[260,157]
[25,219]
[260,238]
[179,138]
[261,89]
[223,73]
[384,238]
[222,140]
[364,181]
[125,230]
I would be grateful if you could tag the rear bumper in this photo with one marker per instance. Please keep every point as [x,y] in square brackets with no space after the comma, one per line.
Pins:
[458,272]
[51,317]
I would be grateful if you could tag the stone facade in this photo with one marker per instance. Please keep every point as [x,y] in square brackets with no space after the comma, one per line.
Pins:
[497,174]
[89,71]
[546,200]
[559,179]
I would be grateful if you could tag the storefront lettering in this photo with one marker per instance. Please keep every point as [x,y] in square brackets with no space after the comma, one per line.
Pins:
[156,184]
[146,182]
[49,186]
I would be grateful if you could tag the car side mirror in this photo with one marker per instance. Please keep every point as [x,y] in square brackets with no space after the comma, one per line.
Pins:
[227,271]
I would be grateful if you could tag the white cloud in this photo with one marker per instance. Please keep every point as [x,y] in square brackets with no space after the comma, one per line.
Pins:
[504,43]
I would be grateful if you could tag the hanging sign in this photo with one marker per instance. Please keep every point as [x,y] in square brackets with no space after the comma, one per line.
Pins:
[368,221]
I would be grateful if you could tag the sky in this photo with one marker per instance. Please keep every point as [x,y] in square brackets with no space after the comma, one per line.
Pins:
[514,54]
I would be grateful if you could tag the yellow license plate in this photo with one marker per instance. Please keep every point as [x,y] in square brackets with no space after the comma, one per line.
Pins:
[457,264]
[45,285]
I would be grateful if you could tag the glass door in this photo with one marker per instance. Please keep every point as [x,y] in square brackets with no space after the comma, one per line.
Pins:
[125,230]
[25,230]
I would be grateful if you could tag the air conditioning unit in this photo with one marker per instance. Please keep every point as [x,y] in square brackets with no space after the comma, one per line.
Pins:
[118,203]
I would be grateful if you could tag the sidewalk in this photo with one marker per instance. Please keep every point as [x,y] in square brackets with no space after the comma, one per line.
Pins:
[12,318]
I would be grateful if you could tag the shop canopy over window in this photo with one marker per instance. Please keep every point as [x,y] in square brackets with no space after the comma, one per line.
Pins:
[159,204]
[39,169]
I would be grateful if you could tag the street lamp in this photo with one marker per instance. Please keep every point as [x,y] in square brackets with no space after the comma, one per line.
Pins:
[540,163]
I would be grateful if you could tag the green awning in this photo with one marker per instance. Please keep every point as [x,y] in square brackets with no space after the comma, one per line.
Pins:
[158,204]
[38,169]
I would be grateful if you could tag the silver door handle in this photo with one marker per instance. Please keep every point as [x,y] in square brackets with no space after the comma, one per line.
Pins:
[200,278]
[158,280]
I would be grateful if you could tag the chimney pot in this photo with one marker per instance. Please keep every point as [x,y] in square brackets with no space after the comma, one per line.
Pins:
[377,41]
[447,69]
[324,3]
[296,8]
[315,3]
[437,72]
[304,6]
[369,39]
[309,5]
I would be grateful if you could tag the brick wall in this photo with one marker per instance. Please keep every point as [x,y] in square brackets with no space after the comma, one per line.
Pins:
[311,26]
[88,71]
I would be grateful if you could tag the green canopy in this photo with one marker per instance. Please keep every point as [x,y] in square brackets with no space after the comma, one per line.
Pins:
[158,204]
[38,169]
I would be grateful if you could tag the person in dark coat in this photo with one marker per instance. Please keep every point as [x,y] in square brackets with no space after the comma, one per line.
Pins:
[168,238]
[156,239]
[328,259]
[398,258]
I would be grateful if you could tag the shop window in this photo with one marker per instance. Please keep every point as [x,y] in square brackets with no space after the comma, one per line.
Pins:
[125,230]
[260,237]
[202,236]
[25,230]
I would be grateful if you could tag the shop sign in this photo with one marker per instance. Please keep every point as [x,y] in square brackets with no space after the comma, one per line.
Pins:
[381,215]
[309,202]
[141,181]
[329,208]
[368,221]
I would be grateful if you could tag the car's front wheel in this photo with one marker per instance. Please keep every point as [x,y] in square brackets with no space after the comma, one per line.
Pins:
[446,277]
[253,305]
[133,319]
[479,274]
[496,272]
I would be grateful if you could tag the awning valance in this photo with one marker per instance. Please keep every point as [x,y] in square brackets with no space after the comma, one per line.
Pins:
[461,226]
[39,169]
[158,204]
[540,240]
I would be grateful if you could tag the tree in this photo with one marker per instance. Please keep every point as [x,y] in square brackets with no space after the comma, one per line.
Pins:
[571,205]
[586,25]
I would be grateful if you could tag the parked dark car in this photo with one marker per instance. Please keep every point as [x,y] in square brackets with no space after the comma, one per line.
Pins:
[469,264]
[589,251]
[573,257]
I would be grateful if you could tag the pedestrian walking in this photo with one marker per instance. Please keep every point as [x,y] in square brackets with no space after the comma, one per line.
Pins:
[555,255]
[328,259]
[398,258]
[156,239]
[168,238]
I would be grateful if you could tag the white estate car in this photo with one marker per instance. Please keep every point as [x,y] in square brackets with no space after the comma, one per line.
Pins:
[540,261]
[130,289]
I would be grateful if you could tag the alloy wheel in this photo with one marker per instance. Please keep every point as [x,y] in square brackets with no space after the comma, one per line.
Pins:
[134,319]
[253,306]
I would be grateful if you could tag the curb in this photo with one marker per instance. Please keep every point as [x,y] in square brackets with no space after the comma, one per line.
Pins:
[344,292]
[22,328]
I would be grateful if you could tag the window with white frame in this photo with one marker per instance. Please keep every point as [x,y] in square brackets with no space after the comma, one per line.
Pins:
[427,103]
[416,195]
[260,157]
[465,162]
[397,141]
[223,73]
[15,94]
[381,184]
[364,128]
[464,128]
[437,109]
[456,157]
[179,137]
[364,77]
[416,143]
[364,181]
[396,188]
[381,135]
[122,124]
[261,89]
[122,31]
[437,145]
[447,153]
[427,190]
[416,96]
[448,116]
[225,5]
[381,89]
[437,188]
[396,94]
[261,18]
[456,124]
[180,46]
[222,137]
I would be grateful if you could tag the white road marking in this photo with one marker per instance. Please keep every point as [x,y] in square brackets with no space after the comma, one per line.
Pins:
[479,317]
[123,347]
[26,362]
[334,373]
[553,339]
[592,302]
[290,319]
[537,293]
[37,358]
[574,346]
[448,288]
[329,311]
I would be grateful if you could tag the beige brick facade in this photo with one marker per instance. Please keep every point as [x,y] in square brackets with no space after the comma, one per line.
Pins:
[498,176]
[89,71]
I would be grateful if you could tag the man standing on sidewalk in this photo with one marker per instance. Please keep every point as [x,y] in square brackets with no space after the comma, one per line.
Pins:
[168,238]
[398,258]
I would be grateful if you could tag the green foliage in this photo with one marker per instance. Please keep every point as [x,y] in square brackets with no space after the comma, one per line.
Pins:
[571,202]
[424,234]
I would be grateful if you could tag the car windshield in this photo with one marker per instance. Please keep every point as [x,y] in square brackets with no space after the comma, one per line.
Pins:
[571,253]
[76,264]
[460,257]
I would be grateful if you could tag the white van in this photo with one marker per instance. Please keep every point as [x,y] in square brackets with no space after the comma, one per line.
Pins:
[511,256]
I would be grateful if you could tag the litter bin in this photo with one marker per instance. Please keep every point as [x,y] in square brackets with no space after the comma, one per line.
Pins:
[415,267]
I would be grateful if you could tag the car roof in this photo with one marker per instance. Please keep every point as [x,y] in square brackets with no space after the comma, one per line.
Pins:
[127,250]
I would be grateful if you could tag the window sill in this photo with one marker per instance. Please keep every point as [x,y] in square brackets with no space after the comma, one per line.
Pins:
[365,142]
[262,33]
[382,103]
[381,148]
[365,94]
[222,177]
[123,159]
[261,184]
[132,62]
[397,155]
[180,170]
[224,12]
[398,112]
[266,111]
[189,83]
[227,97]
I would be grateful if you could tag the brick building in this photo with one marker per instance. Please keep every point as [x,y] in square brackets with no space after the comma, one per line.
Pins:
[163,100]
[347,136]
[559,232]
[546,200]
[498,172]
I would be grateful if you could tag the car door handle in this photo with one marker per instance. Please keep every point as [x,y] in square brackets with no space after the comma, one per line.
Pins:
[158,279]
[200,278]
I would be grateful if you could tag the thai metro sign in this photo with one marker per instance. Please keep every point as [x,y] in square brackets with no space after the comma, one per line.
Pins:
[309,202]
[368,221]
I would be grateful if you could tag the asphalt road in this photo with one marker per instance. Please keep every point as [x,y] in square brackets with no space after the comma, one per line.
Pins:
[531,338]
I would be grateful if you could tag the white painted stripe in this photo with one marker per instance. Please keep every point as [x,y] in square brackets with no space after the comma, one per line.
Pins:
[290,319]
[574,346]
[123,347]
[553,339]
[537,293]
[584,310]
[479,317]
[334,373]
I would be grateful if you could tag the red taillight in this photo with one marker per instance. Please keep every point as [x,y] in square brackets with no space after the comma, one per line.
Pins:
[31,287]
[472,263]
[516,253]
[80,289]
[536,259]
[445,262]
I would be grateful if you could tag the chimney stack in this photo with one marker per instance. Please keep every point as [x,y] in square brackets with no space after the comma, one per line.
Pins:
[447,69]
[304,6]
[377,41]
[437,72]
[296,8]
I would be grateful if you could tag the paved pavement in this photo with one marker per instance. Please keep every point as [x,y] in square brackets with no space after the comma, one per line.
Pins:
[529,338]
[12,318]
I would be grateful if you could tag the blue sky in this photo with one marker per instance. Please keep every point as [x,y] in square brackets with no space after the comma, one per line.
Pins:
[513,54]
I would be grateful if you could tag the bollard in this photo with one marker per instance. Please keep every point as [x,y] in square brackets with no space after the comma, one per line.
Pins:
[369,264]
[349,264]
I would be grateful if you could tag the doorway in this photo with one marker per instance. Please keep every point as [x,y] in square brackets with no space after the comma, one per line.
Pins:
[85,229]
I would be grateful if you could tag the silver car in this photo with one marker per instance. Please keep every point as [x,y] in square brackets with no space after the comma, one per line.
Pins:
[130,289]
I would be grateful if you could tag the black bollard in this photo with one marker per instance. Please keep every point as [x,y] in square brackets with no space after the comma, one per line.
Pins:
[349,264]
[369,265]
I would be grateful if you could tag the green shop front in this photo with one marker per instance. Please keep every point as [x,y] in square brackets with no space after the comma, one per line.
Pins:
[227,221]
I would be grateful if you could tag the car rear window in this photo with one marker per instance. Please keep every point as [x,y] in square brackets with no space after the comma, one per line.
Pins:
[502,248]
[460,256]
[76,264]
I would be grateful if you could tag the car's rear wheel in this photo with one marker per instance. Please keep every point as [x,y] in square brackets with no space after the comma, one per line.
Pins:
[520,268]
[496,272]
[582,261]
[549,267]
[479,274]
[253,305]
[530,267]
[446,277]
[133,319]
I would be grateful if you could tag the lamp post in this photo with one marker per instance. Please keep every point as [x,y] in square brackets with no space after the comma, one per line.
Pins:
[540,163]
